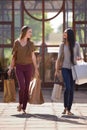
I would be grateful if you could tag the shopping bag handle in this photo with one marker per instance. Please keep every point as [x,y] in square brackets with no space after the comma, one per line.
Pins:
[56,80]
[10,77]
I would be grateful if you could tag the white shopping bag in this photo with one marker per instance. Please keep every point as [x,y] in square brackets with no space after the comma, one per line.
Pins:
[56,93]
[80,73]
[57,89]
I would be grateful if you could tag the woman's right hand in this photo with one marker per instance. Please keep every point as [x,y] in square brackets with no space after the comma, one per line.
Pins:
[56,73]
[9,72]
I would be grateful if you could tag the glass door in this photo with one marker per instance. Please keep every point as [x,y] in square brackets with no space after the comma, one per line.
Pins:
[46,19]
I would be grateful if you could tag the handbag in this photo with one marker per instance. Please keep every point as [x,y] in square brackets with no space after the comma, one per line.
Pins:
[57,90]
[79,73]
[35,93]
[9,91]
[60,58]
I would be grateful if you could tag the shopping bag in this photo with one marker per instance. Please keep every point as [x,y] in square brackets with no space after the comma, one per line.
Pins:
[56,92]
[79,73]
[9,91]
[35,93]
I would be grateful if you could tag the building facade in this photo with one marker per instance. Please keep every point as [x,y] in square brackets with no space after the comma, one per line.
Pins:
[48,19]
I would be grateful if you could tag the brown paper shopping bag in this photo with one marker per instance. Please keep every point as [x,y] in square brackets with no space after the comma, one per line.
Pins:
[9,91]
[35,93]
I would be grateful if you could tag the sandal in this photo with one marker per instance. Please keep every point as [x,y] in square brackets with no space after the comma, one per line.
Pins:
[19,108]
[24,112]
[65,110]
[69,113]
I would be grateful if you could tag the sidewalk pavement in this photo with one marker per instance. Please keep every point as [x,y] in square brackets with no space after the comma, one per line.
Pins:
[46,116]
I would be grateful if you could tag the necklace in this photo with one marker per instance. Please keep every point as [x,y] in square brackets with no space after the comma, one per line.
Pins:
[23,42]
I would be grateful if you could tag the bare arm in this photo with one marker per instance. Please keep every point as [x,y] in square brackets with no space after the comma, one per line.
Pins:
[12,64]
[56,67]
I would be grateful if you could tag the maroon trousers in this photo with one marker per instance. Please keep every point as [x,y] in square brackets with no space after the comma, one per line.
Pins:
[23,73]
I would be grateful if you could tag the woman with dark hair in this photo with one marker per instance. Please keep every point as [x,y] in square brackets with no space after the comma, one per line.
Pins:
[23,58]
[71,55]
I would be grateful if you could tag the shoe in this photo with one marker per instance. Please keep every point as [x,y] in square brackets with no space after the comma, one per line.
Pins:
[24,112]
[19,108]
[65,110]
[69,113]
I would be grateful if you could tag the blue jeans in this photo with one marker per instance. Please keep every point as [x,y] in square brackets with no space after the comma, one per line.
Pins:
[69,84]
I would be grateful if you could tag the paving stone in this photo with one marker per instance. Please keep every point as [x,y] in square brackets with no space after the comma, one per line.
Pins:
[46,116]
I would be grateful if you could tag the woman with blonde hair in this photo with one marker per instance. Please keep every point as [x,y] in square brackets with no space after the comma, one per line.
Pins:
[23,58]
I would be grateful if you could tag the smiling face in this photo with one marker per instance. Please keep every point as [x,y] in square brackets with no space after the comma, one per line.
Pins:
[28,33]
[65,34]
[69,37]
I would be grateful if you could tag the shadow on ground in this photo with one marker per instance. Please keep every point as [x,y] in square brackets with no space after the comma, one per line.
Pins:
[62,118]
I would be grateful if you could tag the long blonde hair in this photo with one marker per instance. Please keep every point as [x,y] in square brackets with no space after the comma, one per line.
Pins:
[24,29]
